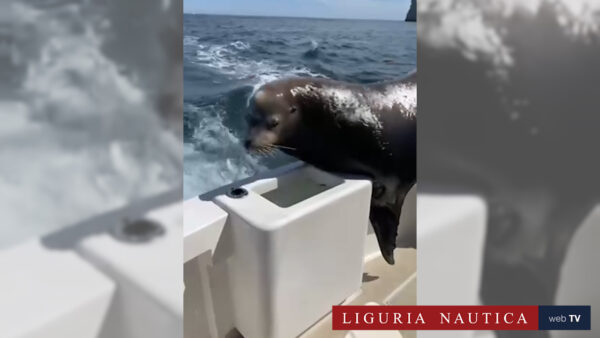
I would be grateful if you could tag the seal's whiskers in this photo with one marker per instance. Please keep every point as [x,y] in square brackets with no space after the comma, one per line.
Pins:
[283,147]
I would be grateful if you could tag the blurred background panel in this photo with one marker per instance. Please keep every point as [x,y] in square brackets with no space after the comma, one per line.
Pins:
[508,111]
[91,162]
[90,102]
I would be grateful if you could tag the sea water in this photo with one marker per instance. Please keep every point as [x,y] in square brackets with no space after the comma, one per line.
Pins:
[226,58]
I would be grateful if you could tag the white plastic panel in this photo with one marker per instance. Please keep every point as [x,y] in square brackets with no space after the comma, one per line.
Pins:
[580,275]
[51,294]
[293,257]
[450,241]
[148,303]
[207,306]
[203,222]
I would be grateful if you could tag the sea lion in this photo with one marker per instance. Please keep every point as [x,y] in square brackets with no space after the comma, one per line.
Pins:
[348,128]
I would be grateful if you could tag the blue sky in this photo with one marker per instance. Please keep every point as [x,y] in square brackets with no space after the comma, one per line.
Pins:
[358,9]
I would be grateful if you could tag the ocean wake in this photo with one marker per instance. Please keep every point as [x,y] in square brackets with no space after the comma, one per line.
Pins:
[214,155]
[217,153]
[227,58]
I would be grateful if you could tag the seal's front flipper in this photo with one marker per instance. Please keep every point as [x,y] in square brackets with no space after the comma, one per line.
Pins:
[385,224]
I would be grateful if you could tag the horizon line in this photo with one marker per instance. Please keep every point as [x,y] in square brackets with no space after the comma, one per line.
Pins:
[291,16]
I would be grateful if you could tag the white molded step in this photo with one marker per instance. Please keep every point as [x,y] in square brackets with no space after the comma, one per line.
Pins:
[203,222]
[49,293]
[149,301]
[298,244]
[450,241]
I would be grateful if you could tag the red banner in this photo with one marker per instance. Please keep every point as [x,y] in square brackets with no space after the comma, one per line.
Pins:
[435,317]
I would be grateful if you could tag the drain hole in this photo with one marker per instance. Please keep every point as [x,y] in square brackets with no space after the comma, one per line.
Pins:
[237,192]
[138,231]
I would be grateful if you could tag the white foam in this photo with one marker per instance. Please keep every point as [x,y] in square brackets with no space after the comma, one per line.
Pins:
[220,159]
[221,151]
[240,45]
[189,40]
[227,60]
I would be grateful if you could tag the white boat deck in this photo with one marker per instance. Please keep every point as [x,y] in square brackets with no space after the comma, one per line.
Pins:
[82,282]
[383,284]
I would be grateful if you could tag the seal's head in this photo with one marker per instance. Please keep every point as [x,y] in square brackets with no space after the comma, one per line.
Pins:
[273,119]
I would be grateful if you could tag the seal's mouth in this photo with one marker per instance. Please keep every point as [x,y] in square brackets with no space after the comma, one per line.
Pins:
[255,147]
[261,149]
[265,148]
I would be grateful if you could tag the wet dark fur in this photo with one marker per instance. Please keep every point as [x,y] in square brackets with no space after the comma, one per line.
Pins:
[321,136]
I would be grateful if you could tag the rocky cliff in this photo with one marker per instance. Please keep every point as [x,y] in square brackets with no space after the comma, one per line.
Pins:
[411,16]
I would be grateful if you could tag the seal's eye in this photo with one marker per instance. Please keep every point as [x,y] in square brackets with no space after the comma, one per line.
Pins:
[293,109]
[272,122]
